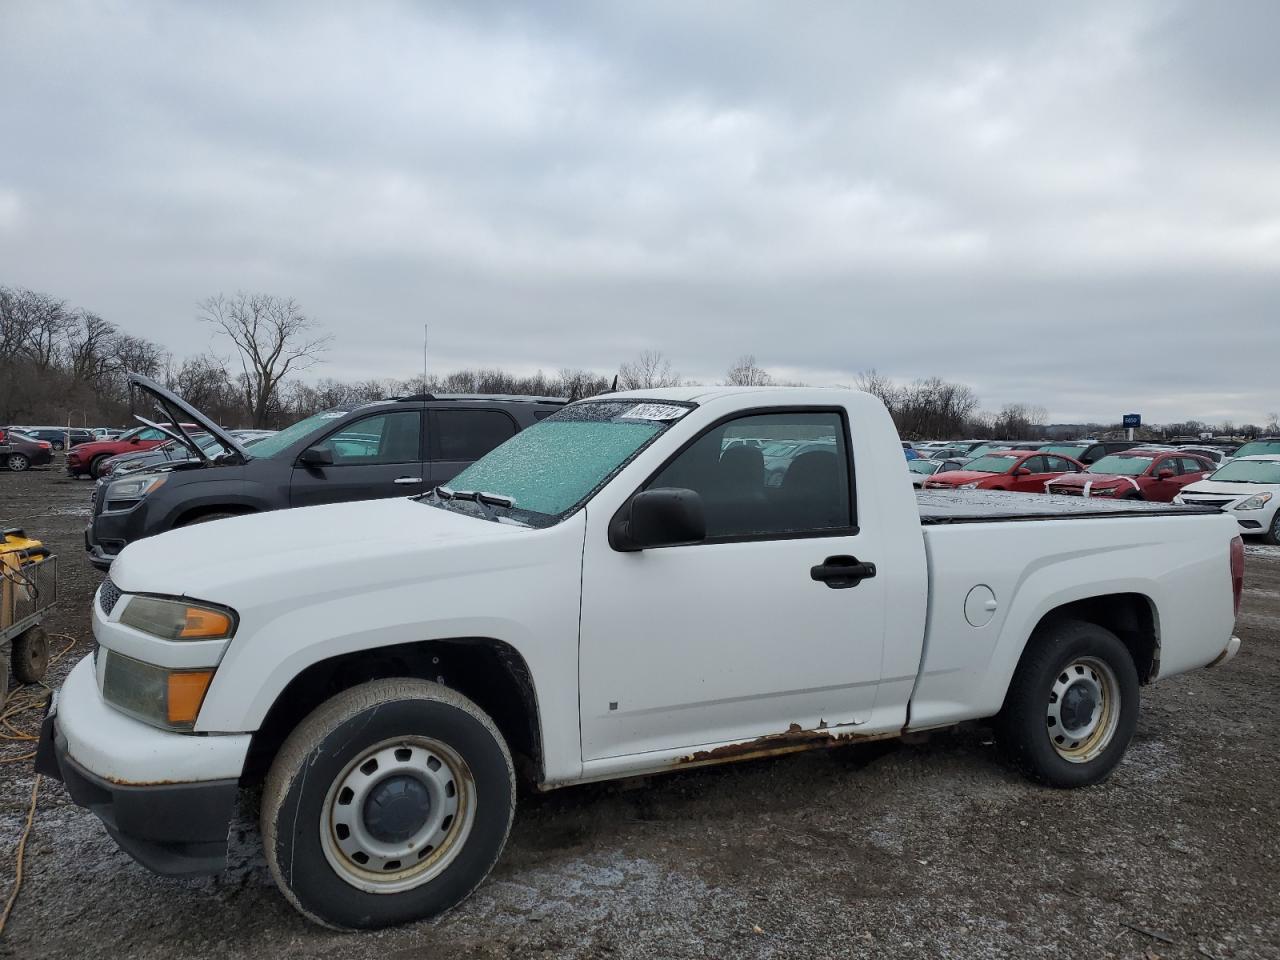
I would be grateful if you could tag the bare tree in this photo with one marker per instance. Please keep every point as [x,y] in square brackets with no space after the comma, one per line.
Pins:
[746,373]
[648,371]
[879,386]
[274,338]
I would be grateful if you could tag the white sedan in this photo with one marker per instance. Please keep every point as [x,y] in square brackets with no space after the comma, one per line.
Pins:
[1248,488]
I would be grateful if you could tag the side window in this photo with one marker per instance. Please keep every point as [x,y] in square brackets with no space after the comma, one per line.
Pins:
[1167,463]
[768,475]
[470,434]
[151,433]
[383,438]
[1037,464]
[1057,465]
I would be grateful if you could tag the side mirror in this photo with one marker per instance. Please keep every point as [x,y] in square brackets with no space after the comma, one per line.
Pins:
[316,457]
[666,517]
[1165,474]
[134,441]
[1022,472]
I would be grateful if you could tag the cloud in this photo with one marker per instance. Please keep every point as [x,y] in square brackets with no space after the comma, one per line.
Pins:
[1074,207]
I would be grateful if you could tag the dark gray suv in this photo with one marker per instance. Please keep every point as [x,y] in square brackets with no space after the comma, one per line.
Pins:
[388,448]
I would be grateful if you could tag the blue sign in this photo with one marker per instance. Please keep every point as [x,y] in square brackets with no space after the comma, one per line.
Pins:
[1132,420]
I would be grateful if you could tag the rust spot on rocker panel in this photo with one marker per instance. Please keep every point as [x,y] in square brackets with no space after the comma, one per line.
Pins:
[794,740]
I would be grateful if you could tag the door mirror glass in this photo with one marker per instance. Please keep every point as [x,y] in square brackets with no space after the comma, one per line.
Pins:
[666,517]
[1022,472]
[316,457]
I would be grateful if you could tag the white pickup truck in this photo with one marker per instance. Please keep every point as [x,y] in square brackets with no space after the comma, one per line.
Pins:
[642,582]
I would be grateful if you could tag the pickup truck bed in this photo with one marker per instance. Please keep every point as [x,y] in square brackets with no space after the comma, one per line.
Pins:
[999,506]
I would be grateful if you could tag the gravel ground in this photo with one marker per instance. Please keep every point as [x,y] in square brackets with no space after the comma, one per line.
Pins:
[876,850]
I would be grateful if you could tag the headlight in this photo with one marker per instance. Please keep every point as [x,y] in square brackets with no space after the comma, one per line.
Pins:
[178,619]
[1103,491]
[1256,502]
[132,489]
[154,695]
[969,486]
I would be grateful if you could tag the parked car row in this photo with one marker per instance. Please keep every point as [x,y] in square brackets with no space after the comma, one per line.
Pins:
[20,451]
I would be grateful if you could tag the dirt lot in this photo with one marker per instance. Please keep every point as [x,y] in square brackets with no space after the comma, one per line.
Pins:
[889,851]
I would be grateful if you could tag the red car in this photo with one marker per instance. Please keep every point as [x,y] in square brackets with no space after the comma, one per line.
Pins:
[1024,470]
[1136,474]
[86,459]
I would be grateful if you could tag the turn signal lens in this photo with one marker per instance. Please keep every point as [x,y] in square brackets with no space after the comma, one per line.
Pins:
[204,624]
[186,692]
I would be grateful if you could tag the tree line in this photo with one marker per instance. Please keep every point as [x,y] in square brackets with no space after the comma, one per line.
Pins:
[61,364]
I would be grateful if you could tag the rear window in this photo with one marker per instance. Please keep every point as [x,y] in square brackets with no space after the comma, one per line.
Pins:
[1258,448]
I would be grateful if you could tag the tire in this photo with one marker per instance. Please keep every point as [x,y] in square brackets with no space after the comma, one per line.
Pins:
[30,655]
[209,518]
[401,724]
[17,462]
[95,466]
[57,444]
[1272,534]
[1067,656]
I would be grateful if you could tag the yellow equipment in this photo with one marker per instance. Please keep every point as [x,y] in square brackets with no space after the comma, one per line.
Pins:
[28,589]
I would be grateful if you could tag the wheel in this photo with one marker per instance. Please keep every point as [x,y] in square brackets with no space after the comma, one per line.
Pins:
[389,803]
[1072,705]
[96,465]
[1272,536]
[17,462]
[57,444]
[208,518]
[31,655]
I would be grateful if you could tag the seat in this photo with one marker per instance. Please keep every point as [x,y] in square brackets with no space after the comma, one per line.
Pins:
[811,496]
[736,503]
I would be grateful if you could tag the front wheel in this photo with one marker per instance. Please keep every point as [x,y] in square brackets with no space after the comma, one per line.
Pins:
[1072,706]
[388,804]
[97,465]
[17,462]
[1272,536]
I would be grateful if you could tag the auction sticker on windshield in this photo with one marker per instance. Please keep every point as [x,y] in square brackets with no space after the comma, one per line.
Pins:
[654,411]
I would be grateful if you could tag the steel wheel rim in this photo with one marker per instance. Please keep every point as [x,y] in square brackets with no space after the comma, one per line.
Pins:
[1083,709]
[377,864]
[17,463]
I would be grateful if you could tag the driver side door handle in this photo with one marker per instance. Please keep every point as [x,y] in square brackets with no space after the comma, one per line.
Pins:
[405,481]
[842,572]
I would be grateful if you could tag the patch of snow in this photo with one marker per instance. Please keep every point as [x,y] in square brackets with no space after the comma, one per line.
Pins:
[1262,551]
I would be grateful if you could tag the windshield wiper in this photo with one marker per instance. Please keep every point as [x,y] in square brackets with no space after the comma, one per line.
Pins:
[481,498]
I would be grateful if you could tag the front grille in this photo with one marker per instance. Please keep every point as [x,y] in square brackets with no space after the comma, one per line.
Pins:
[1205,503]
[108,596]
[99,494]
[1067,491]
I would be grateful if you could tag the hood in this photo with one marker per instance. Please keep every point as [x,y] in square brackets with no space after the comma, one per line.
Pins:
[1230,488]
[180,411]
[1095,479]
[954,478]
[292,549]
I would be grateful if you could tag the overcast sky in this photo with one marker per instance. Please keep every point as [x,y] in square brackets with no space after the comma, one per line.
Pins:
[1073,205]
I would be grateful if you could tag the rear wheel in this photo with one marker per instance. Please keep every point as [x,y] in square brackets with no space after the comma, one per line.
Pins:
[97,465]
[17,462]
[390,803]
[56,444]
[1072,706]
[31,655]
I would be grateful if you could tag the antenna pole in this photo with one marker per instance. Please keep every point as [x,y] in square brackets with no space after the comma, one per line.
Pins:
[424,358]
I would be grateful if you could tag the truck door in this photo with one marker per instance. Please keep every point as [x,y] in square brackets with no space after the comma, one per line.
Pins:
[376,456]
[769,626]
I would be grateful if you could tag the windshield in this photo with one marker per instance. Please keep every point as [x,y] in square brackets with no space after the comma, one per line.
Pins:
[992,464]
[270,446]
[1122,466]
[1258,447]
[553,466]
[1066,449]
[1250,471]
[923,466]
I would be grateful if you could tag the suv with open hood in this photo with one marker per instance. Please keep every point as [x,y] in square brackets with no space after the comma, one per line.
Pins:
[386,448]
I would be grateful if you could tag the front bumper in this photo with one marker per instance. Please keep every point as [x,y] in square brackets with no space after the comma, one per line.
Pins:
[1229,651]
[100,555]
[138,780]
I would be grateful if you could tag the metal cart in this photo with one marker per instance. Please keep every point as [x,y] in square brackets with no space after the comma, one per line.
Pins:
[28,590]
